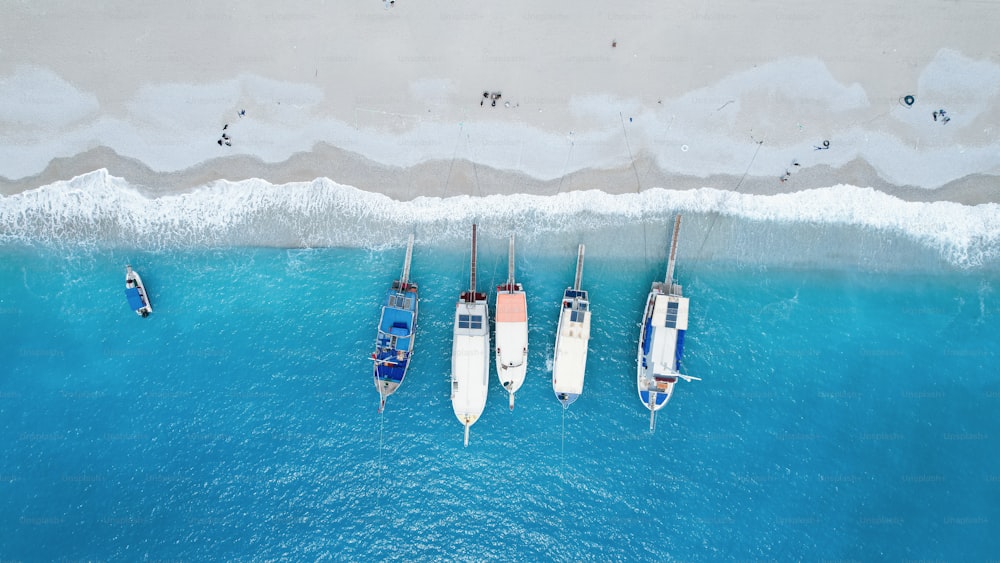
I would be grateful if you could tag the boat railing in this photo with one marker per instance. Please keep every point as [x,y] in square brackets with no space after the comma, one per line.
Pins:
[470,297]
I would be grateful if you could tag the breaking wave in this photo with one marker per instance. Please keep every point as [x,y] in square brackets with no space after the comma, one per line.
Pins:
[101,210]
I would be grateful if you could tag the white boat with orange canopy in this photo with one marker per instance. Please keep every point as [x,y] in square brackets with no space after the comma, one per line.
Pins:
[511,331]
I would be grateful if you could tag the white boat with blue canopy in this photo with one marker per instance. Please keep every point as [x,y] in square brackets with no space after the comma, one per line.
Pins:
[470,352]
[511,331]
[396,332]
[136,294]
[661,341]
[569,364]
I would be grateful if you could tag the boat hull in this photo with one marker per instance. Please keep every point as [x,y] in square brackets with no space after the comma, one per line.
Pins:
[569,362]
[135,292]
[470,360]
[661,345]
[395,339]
[511,338]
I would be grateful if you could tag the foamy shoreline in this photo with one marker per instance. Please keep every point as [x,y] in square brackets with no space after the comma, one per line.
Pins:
[831,226]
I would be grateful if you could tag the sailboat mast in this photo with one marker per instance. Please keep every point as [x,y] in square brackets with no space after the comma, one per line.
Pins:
[673,250]
[406,263]
[472,282]
[579,269]
[510,264]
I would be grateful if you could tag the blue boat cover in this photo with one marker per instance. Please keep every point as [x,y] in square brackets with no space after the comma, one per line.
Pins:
[392,372]
[661,398]
[395,318]
[648,337]
[134,299]
[679,350]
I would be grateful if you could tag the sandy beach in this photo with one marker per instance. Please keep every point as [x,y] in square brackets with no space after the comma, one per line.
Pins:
[765,97]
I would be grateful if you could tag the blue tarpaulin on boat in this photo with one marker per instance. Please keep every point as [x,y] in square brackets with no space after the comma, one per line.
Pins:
[394,319]
[661,398]
[134,299]
[679,350]
[391,372]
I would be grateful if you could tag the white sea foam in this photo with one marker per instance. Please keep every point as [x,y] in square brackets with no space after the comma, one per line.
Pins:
[103,210]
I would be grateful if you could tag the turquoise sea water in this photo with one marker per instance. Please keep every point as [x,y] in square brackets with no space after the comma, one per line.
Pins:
[845,412]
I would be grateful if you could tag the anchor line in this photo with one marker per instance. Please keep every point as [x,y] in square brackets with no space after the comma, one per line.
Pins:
[562,444]
[638,187]
[381,426]
[736,189]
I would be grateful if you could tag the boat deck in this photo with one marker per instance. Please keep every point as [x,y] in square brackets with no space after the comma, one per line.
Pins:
[395,336]
[470,359]
[570,361]
[512,308]
[135,299]
[663,332]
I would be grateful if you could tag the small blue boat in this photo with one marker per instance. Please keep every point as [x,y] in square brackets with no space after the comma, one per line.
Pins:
[661,342]
[136,294]
[396,332]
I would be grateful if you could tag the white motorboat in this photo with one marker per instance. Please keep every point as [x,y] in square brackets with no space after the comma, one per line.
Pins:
[661,340]
[136,294]
[470,352]
[569,363]
[511,331]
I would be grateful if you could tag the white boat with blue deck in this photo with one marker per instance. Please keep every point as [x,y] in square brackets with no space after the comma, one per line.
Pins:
[136,294]
[661,341]
[396,332]
[569,363]
[470,352]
